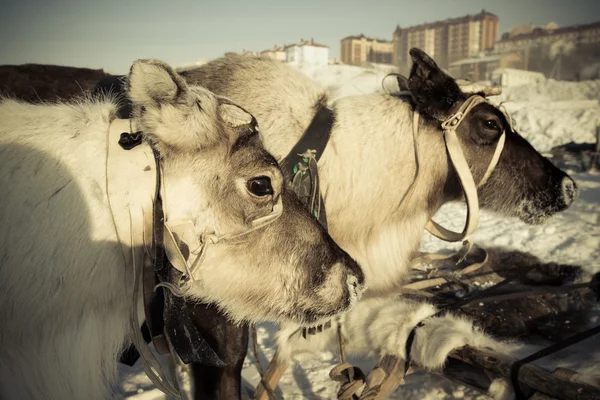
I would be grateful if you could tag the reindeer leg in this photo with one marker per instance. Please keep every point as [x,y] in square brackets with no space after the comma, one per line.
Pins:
[275,370]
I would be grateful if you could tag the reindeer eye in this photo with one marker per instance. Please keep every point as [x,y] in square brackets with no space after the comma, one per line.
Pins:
[260,186]
[491,124]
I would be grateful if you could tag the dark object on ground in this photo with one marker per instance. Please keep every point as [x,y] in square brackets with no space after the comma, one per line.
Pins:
[552,316]
[37,83]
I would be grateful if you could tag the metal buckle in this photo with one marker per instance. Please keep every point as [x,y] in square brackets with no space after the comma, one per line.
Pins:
[453,121]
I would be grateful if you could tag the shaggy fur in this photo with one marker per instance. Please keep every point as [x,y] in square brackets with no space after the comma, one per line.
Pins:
[64,290]
[366,172]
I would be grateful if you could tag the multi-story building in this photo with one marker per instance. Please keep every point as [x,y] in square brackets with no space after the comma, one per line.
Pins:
[560,53]
[358,50]
[520,39]
[447,41]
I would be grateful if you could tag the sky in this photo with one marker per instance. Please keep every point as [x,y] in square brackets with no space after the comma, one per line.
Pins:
[111,34]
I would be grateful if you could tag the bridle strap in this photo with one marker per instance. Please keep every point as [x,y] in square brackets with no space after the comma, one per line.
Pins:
[464,173]
[131,206]
[185,231]
[494,160]
[470,190]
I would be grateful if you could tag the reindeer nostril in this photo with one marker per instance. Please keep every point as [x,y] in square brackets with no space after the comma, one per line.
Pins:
[570,191]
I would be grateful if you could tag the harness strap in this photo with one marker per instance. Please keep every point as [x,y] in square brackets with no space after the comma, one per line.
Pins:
[153,368]
[464,173]
[299,167]
[461,166]
[134,204]
[184,231]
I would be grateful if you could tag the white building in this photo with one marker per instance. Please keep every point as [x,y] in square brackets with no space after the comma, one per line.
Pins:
[515,77]
[307,53]
[276,53]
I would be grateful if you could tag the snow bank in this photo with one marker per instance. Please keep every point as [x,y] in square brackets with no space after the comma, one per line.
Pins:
[348,80]
[552,90]
[553,112]
[549,124]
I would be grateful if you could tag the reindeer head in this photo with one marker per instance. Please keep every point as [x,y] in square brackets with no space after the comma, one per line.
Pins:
[218,175]
[524,183]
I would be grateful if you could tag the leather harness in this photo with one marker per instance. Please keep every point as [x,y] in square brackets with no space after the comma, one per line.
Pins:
[299,167]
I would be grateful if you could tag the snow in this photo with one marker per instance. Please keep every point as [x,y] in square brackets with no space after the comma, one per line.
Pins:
[547,114]
[552,113]
[346,80]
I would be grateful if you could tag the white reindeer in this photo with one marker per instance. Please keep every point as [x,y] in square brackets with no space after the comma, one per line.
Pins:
[377,208]
[65,288]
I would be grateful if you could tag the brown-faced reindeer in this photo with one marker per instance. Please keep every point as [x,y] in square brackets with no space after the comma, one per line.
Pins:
[69,274]
[367,169]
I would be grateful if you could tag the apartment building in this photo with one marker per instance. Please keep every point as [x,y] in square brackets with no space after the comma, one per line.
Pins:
[447,41]
[528,36]
[359,50]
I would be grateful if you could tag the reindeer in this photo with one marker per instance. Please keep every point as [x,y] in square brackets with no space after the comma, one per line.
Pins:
[68,305]
[378,202]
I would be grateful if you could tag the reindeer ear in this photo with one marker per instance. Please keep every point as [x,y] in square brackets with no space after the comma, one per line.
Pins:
[154,82]
[435,92]
[402,82]
[233,114]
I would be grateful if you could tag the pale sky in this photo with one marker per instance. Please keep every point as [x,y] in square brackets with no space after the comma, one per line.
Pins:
[110,34]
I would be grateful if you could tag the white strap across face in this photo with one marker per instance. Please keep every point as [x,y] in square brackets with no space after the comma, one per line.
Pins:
[462,169]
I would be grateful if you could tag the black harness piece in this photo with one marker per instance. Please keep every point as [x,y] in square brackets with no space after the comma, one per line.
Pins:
[301,172]
[300,165]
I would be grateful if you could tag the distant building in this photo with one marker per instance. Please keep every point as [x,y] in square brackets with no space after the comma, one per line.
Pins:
[528,28]
[358,50]
[520,39]
[515,77]
[307,53]
[481,68]
[277,53]
[447,41]
[248,52]
[559,53]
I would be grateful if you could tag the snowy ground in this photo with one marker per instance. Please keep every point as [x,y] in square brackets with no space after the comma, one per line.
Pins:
[548,114]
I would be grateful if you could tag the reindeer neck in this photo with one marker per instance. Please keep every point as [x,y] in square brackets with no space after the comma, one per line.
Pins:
[375,211]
